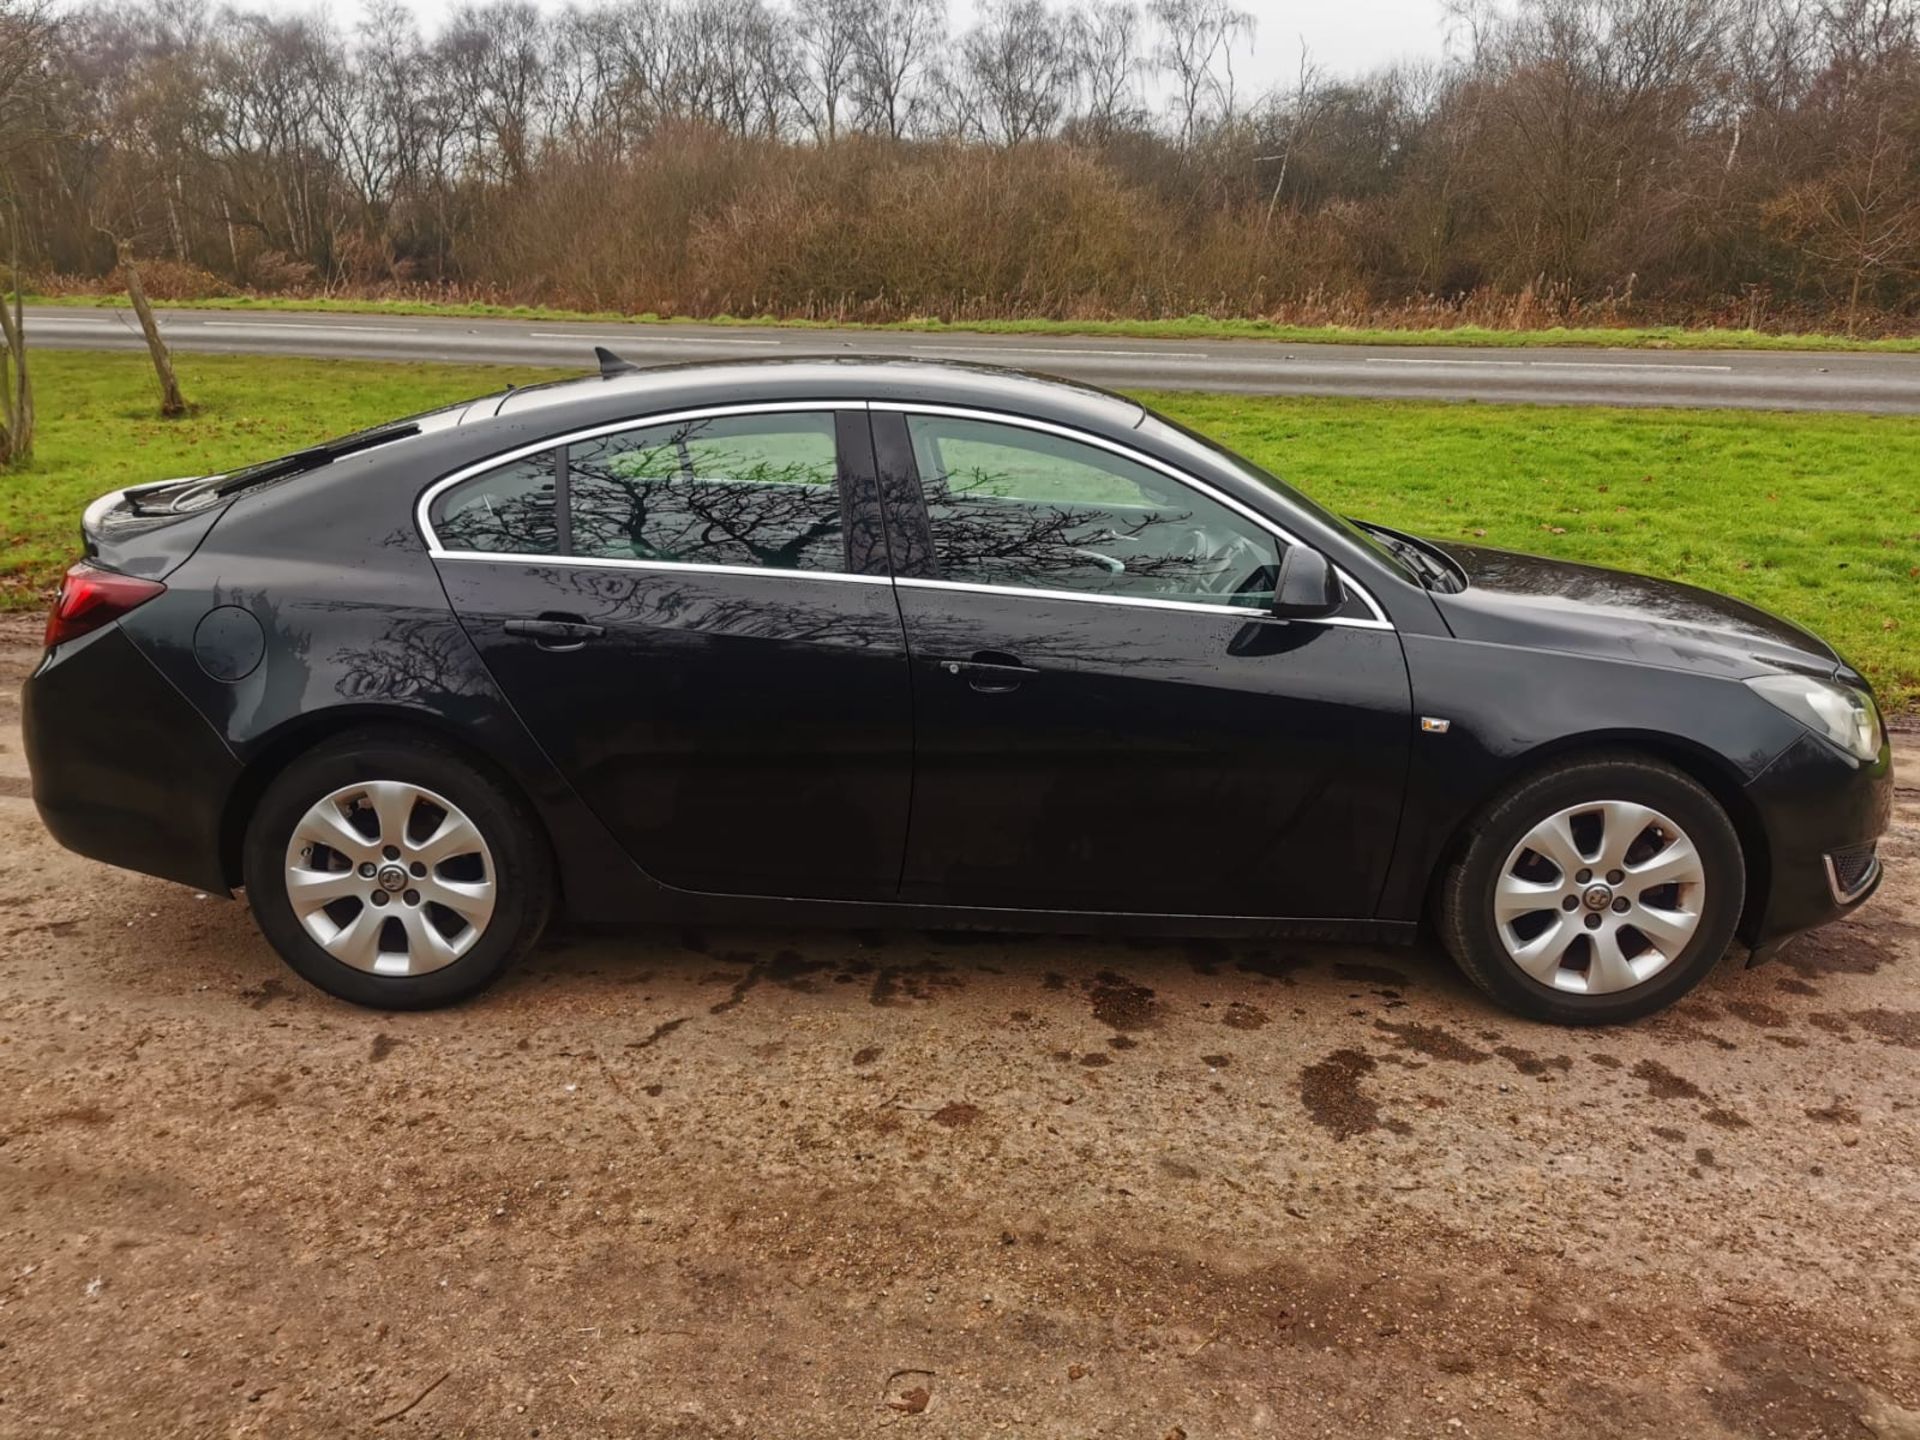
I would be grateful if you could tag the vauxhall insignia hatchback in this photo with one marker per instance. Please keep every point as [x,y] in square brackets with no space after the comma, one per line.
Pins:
[884,643]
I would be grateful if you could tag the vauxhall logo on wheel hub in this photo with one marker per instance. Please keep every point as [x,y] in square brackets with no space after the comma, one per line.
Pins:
[393,879]
[1598,897]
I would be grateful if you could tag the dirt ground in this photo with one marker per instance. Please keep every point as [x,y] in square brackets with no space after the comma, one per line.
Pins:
[826,1184]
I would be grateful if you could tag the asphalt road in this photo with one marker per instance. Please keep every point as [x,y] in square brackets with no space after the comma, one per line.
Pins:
[678,1185]
[1777,380]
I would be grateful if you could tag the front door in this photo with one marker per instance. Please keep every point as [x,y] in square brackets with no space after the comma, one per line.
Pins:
[703,646]
[1108,718]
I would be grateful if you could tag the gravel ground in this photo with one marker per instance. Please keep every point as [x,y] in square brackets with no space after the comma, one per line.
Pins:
[820,1184]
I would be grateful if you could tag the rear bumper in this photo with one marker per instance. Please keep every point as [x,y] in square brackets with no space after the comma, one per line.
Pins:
[125,770]
[1822,811]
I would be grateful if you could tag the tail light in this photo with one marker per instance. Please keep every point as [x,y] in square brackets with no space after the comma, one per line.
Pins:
[91,597]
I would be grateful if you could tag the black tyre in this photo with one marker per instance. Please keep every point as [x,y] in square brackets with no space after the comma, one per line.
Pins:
[390,871]
[1597,890]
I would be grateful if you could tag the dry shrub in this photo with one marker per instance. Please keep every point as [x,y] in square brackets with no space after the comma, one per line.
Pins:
[699,224]
[362,262]
[171,280]
[272,272]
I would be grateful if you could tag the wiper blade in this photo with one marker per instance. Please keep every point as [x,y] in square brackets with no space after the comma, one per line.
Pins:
[1421,563]
[313,457]
[1431,570]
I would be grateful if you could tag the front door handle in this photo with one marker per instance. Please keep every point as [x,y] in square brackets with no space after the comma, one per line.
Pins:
[991,672]
[557,632]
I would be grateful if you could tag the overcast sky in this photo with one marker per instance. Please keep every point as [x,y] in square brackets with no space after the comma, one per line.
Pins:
[1344,37]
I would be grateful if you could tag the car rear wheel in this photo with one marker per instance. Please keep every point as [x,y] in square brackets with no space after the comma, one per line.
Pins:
[391,872]
[1597,890]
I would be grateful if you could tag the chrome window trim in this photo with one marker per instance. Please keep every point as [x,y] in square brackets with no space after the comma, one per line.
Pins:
[592,562]
[423,506]
[1152,462]
[437,551]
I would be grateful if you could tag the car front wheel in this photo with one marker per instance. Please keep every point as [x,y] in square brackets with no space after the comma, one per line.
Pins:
[1597,890]
[389,871]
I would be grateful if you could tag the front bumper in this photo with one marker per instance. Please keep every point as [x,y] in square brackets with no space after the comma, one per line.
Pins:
[1822,813]
[124,769]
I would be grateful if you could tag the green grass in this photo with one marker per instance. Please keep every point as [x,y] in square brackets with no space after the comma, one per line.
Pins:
[1188,327]
[1814,516]
[100,429]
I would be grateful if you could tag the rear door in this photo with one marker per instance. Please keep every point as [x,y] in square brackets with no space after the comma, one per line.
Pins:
[688,623]
[1109,718]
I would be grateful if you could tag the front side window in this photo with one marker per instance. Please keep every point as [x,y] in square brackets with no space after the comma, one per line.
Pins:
[1018,507]
[506,510]
[746,490]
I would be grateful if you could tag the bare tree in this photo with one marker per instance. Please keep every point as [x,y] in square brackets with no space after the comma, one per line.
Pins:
[493,59]
[1582,108]
[1105,43]
[752,64]
[828,35]
[1296,118]
[1017,68]
[370,115]
[26,36]
[895,45]
[1196,51]
[1863,215]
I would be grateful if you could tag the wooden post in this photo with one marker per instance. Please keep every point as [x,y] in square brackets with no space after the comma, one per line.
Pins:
[172,403]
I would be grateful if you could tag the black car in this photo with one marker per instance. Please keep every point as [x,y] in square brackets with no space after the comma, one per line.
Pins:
[879,643]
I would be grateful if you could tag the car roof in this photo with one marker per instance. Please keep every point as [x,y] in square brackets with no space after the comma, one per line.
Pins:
[825,377]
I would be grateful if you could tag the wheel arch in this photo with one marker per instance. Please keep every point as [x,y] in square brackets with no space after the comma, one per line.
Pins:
[1713,772]
[286,743]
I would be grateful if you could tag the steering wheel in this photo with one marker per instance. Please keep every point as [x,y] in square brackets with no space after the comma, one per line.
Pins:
[1108,563]
[1206,556]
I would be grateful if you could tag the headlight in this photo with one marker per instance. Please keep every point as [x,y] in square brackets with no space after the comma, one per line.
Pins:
[1845,716]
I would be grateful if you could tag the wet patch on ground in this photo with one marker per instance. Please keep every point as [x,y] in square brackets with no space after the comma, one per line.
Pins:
[1331,1090]
[1528,1063]
[911,984]
[1272,966]
[1848,948]
[1663,1084]
[1433,1041]
[1889,1027]
[1120,1004]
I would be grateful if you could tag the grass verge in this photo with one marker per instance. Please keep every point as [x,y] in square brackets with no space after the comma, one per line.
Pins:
[1814,516]
[1188,327]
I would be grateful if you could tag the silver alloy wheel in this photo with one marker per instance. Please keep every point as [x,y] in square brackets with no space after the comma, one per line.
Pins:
[1599,898]
[390,878]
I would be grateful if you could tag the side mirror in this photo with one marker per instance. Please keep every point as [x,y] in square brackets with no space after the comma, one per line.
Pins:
[1308,587]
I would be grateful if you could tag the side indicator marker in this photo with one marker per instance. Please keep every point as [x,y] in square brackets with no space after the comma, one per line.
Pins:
[1434,725]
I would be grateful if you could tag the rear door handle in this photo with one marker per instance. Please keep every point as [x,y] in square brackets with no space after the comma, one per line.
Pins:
[557,632]
[991,672]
